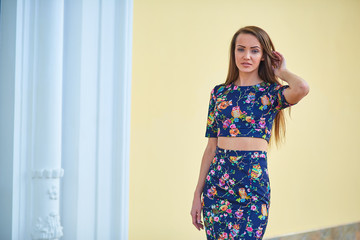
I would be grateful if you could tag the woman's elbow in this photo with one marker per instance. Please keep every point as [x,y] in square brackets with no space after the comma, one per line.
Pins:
[303,89]
[300,91]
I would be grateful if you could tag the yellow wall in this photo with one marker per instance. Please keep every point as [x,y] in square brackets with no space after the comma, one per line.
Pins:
[180,51]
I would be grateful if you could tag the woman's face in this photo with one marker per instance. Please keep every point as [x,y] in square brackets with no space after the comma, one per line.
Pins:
[248,53]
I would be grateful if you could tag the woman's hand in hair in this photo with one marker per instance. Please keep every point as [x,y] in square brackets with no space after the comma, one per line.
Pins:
[279,64]
[298,87]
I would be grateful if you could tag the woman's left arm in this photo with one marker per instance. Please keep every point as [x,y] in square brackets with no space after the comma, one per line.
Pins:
[298,87]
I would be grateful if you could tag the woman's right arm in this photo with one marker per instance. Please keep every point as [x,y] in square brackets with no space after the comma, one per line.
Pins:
[208,156]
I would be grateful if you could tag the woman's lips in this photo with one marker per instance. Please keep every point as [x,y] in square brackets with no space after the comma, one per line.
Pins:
[246,64]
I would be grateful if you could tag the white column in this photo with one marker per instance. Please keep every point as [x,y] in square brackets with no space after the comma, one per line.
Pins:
[79,121]
[96,119]
[47,114]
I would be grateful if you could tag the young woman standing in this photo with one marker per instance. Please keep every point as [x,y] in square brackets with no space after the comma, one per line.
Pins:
[233,189]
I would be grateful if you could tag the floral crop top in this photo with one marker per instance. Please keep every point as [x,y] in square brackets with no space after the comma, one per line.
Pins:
[244,111]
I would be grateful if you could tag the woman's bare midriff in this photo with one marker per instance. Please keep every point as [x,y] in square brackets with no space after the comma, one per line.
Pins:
[242,143]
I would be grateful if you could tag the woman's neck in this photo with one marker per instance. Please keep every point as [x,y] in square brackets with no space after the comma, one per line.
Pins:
[247,79]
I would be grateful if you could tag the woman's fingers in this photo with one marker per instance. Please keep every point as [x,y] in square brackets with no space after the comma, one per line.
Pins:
[198,217]
[281,60]
[196,213]
[199,222]
[278,55]
[196,220]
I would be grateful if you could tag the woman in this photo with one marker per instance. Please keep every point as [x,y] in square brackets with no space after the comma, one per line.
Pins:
[233,181]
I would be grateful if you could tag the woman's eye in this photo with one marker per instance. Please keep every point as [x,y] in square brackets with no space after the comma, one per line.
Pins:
[255,51]
[240,49]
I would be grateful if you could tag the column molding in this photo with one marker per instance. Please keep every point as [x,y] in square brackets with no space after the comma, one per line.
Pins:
[37,119]
[47,57]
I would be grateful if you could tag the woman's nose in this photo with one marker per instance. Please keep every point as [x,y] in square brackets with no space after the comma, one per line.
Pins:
[246,55]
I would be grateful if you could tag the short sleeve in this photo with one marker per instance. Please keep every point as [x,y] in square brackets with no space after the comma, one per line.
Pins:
[279,98]
[211,126]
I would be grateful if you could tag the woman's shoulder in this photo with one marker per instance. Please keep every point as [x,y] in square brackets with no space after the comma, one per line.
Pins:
[218,88]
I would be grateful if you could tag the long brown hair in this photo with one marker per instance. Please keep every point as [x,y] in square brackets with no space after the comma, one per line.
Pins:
[265,72]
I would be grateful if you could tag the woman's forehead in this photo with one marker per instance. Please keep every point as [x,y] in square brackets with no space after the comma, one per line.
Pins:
[247,40]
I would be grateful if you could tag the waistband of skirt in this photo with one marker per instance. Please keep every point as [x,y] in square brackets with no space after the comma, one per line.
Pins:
[241,152]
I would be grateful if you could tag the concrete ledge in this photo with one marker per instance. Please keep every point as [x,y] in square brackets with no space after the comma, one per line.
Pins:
[349,231]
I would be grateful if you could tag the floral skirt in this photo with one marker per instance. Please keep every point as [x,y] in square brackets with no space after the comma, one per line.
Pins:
[236,195]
